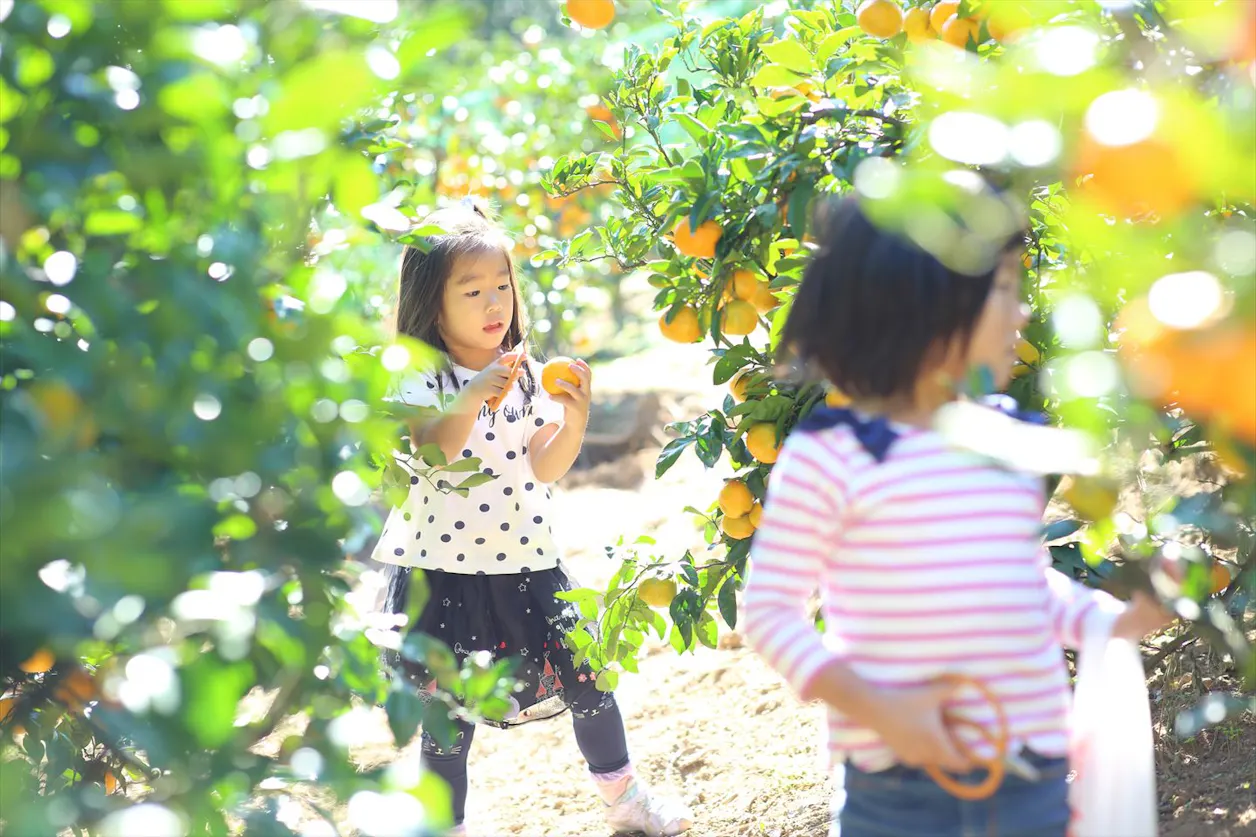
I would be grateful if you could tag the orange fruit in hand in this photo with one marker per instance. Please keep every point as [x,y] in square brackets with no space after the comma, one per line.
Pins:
[1129,181]
[737,528]
[916,25]
[880,18]
[762,444]
[958,31]
[684,327]
[736,499]
[39,662]
[738,318]
[941,12]
[657,592]
[699,243]
[591,14]
[558,369]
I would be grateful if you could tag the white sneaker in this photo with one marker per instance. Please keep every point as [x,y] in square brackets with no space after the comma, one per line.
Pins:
[638,811]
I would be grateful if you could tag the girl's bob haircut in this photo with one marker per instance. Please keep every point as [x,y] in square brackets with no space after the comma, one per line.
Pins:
[874,307]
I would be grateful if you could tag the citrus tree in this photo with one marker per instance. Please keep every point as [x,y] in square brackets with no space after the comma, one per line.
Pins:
[1126,130]
[187,445]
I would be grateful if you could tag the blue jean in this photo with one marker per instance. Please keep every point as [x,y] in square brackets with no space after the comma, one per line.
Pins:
[905,802]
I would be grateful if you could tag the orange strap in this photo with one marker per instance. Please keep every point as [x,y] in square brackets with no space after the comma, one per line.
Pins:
[515,367]
[995,767]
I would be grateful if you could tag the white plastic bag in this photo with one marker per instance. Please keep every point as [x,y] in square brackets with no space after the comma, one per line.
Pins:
[1114,786]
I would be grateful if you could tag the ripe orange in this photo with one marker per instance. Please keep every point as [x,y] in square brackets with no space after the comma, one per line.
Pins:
[737,528]
[1094,498]
[880,18]
[836,398]
[1220,577]
[736,499]
[1007,20]
[63,412]
[742,285]
[1132,180]
[558,369]
[111,782]
[700,243]
[764,300]
[738,384]
[958,31]
[7,705]
[941,12]
[762,444]
[1027,352]
[39,662]
[1020,370]
[76,689]
[684,327]
[916,25]
[591,14]
[657,592]
[738,318]
[756,515]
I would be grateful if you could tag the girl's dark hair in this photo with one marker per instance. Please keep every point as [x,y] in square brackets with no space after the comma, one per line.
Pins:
[466,229]
[873,305]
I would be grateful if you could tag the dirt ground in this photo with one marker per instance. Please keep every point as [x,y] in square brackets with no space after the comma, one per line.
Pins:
[718,728]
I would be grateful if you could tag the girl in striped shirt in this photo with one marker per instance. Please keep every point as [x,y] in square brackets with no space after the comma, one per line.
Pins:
[927,557]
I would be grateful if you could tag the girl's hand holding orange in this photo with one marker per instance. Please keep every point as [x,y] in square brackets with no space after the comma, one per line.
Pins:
[569,382]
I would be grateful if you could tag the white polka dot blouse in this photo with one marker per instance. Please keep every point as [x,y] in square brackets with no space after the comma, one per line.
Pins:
[503,526]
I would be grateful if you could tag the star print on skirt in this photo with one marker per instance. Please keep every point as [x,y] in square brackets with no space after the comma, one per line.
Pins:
[512,616]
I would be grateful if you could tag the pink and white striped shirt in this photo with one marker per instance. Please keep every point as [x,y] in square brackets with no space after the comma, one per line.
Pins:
[927,563]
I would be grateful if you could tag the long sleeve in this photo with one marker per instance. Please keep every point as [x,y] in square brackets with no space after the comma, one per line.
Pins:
[1077,610]
[790,552]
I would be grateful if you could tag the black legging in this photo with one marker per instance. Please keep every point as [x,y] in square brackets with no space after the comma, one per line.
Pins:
[595,720]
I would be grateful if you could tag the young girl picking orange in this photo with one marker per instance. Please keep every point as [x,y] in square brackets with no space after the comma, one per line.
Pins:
[928,557]
[490,559]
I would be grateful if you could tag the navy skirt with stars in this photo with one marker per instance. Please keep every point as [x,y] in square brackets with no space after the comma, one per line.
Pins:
[512,616]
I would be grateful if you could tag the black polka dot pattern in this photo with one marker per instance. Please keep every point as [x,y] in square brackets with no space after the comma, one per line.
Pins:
[490,435]
[460,525]
[445,538]
[501,556]
[540,422]
[466,454]
[505,527]
[399,552]
[508,491]
[479,541]
[483,507]
[414,480]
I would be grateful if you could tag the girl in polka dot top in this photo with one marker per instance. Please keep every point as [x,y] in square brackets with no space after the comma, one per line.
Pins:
[489,558]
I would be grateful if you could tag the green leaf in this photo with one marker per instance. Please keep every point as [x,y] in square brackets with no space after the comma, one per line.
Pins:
[476,480]
[727,601]
[800,206]
[432,454]
[790,54]
[238,527]
[111,222]
[831,44]
[462,466]
[707,631]
[607,680]
[198,98]
[355,185]
[693,127]
[211,691]
[1059,529]
[670,453]
[327,88]
[776,75]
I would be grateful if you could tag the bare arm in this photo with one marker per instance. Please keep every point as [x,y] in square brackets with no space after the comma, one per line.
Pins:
[451,428]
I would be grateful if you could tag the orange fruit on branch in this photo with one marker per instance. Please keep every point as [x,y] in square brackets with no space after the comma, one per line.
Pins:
[737,528]
[940,12]
[735,499]
[685,327]
[558,369]
[1007,20]
[1219,575]
[699,243]
[764,300]
[739,384]
[591,14]
[76,689]
[39,662]
[1130,181]
[111,782]
[7,705]
[916,25]
[762,443]
[958,31]
[656,591]
[880,18]
[738,318]
[742,285]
